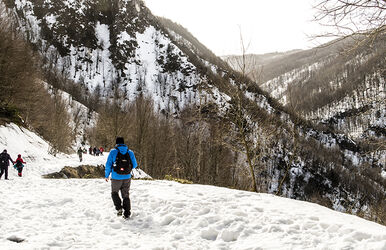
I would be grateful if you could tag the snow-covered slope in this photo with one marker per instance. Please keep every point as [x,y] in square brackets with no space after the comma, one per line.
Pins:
[166,215]
[35,151]
[82,118]
[104,44]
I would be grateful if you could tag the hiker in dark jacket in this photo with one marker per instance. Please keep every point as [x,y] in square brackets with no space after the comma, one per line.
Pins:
[114,164]
[80,154]
[19,165]
[4,163]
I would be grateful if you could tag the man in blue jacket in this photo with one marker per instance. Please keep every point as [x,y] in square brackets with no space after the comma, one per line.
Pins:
[117,165]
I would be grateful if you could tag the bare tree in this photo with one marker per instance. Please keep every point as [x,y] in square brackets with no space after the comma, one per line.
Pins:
[362,20]
[246,123]
[247,64]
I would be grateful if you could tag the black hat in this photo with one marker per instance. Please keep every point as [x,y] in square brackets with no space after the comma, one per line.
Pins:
[119,140]
[4,151]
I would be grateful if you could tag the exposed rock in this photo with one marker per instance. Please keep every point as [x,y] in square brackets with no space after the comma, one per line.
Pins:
[15,239]
[83,171]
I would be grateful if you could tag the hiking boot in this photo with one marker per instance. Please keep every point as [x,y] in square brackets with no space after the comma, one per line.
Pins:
[119,212]
[126,215]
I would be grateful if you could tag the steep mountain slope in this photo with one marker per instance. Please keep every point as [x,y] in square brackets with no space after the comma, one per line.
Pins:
[109,44]
[106,46]
[341,85]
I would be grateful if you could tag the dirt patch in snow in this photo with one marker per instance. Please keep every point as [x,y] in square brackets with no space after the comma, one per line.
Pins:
[81,172]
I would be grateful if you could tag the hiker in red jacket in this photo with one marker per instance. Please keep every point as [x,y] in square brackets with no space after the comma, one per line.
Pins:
[19,165]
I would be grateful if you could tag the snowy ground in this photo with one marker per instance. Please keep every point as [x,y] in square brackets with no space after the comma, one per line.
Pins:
[79,214]
[168,215]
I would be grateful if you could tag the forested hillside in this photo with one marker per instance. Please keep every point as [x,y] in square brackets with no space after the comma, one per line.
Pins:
[185,112]
[340,85]
[24,98]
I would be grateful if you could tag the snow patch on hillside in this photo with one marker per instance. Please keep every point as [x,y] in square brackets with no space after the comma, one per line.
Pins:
[278,86]
[83,119]
[359,110]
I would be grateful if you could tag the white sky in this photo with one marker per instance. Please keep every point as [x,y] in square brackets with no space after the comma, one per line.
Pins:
[266,25]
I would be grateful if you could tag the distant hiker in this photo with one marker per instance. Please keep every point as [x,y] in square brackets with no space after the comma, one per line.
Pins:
[4,163]
[80,154]
[101,150]
[90,150]
[119,163]
[19,165]
[94,150]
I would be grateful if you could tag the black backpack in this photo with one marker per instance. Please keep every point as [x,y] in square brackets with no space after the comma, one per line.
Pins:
[123,164]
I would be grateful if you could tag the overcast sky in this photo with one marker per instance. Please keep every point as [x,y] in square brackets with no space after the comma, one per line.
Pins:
[267,25]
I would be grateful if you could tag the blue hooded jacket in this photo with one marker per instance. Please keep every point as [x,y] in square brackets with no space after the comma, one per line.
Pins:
[111,160]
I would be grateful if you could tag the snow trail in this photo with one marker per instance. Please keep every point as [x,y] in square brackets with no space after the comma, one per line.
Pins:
[79,214]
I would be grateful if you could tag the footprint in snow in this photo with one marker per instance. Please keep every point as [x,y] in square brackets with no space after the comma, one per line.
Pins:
[240,213]
[334,228]
[203,223]
[284,222]
[229,236]
[167,220]
[209,234]
[178,236]
[203,211]
[260,210]
[314,218]
[275,229]
[179,204]
[359,236]
[116,225]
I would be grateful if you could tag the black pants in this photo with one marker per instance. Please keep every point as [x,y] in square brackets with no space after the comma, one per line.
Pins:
[19,171]
[4,169]
[124,187]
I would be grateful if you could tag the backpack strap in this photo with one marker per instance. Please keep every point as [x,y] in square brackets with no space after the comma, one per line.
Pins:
[119,152]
